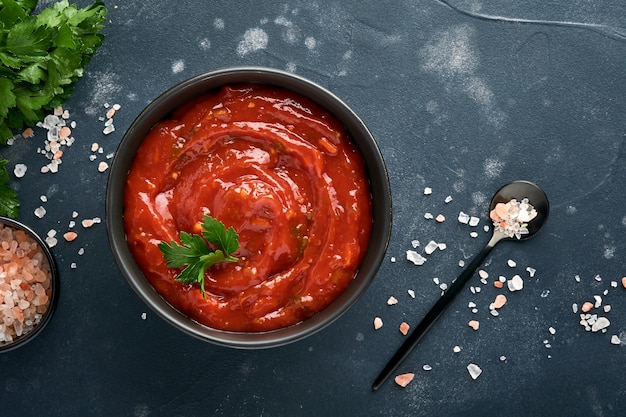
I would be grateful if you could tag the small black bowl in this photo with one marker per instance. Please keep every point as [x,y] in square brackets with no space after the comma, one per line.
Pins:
[55,285]
[180,94]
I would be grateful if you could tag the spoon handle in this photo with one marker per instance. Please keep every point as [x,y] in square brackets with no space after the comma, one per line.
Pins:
[431,317]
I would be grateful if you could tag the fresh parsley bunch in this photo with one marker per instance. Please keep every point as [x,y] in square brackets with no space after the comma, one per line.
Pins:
[42,56]
[196,256]
[9,204]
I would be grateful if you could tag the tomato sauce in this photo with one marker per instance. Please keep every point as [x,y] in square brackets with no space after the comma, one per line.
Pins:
[280,170]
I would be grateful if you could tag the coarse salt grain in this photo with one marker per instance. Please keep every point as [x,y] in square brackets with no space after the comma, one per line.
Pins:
[404,328]
[474,324]
[392,301]
[378,323]
[440,218]
[516,283]
[474,370]
[20,170]
[415,257]
[404,379]
[103,166]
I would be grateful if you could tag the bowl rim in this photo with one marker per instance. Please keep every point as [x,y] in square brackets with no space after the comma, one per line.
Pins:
[184,91]
[55,284]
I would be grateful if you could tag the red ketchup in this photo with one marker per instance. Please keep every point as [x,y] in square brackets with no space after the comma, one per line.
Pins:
[280,170]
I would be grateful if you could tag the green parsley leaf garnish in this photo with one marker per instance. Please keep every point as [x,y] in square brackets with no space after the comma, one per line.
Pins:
[196,256]
[42,56]
[9,204]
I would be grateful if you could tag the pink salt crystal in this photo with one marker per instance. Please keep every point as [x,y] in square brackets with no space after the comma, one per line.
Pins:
[474,324]
[499,301]
[378,323]
[404,379]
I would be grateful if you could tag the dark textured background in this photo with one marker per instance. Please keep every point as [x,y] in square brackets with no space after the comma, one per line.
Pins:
[463,97]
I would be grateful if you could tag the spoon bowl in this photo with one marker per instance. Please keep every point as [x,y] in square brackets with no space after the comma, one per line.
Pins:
[517,190]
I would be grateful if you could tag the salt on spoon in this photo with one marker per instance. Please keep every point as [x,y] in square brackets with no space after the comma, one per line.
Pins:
[519,210]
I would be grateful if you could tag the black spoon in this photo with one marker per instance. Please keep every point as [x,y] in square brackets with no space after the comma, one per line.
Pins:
[516,190]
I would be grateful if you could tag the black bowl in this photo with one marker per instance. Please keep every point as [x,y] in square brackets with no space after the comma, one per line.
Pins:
[54,285]
[178,95]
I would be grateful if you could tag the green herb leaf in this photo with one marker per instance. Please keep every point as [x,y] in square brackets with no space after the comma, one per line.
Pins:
[9,204]
[196,256]
[42,56]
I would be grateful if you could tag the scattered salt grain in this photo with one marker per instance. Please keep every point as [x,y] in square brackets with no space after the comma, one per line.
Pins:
[586,307]
[598,278]
[428,191]
[474,324]
[431,247]
[624,282]
[378,323]
[392,301]
[404,328]
[40,212]
[615,340]
[499,301]
[607,308]
[448,199]
[473,221]
[392,259]
[531,271]
[440,218]
[516,283]
[415,243]
[598,301]
[103,166]
[427,368]
[456,349]
[483,274]
[108,129]
[473,235]
[463,218]
[143,316]
[502,358]
[428,216]
[70,236]
[19,170]
[575,308]
[600,324]
[415,257]
[474,370]
[511,263]
[552,330]
[404,379]
[411,293]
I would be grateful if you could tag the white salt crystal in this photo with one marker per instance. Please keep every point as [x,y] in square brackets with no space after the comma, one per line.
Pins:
[431,247]
[427,368]
[598,301]
[415,243]
[511,263]
[392,301]
[516,283]
[448,199]
[463,218]
[461,263]
[428,191]
[436,281]
[473,221]
[456,349]
[483,274]
[600,324]
[442,246]
[552,330]
[19,170]
[411,293]
[415,257]
[615,340]
[474,370]
[428,216]
[473,234]
[40,212]
[143,316]
[575,308]
[531,271]
[393,259]
[108,129]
